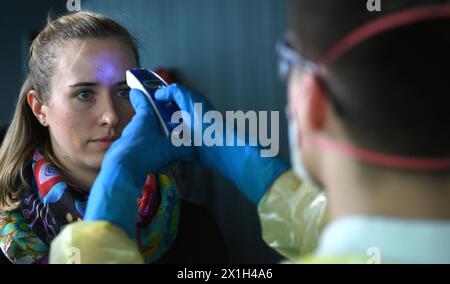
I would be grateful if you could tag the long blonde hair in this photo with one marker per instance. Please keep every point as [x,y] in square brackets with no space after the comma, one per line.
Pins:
[25,133]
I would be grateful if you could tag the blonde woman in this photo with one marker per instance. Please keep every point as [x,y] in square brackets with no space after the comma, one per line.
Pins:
[72,106]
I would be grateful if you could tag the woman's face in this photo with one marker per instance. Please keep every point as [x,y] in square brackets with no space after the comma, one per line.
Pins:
[88,105]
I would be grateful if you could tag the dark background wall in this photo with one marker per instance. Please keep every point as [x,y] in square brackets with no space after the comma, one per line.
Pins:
[223,49]
[19,20]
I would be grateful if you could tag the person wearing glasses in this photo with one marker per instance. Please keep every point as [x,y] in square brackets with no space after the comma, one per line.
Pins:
[368,118]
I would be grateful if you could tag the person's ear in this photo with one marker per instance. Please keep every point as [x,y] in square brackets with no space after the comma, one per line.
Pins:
[37,107]
[313,111]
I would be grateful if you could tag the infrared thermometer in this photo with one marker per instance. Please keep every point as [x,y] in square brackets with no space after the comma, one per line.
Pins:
[149,82]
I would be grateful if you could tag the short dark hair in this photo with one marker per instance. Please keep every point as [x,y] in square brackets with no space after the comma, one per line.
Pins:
[392,91]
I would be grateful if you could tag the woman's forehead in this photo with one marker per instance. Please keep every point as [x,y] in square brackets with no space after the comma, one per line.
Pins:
[101,60]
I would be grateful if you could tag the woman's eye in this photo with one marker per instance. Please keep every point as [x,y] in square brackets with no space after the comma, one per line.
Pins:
[125,93]
[84,95]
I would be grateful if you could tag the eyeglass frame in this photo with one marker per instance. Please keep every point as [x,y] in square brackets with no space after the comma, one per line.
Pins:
[289,57]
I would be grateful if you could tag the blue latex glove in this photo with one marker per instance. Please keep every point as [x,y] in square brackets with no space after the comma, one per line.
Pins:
[252,174]
[140,149]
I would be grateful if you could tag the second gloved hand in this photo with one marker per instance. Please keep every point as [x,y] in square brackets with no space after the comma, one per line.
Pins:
[140,149]
[243,165]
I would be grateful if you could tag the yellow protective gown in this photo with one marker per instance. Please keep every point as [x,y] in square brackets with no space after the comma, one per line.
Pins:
[292,214]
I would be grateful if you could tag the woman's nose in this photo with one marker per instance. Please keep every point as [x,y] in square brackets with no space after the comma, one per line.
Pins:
[109,115]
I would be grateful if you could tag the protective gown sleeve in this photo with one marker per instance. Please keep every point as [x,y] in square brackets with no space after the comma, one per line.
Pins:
[93,242]
[292,214]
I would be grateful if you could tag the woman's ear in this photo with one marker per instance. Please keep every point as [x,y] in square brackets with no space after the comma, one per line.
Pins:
[37,107]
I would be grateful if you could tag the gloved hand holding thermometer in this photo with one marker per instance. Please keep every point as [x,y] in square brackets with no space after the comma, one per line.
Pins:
[242,165]
[251,173]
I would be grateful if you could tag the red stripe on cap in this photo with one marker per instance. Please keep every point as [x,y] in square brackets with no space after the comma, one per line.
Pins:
[380,159]
[381,25]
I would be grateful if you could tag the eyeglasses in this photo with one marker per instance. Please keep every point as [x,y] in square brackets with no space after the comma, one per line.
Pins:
[288,58]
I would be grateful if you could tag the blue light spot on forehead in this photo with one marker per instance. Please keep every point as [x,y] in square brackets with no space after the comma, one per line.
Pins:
[107,68]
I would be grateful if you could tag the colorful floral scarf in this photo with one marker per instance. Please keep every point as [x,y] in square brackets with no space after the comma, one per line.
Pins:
[51,203]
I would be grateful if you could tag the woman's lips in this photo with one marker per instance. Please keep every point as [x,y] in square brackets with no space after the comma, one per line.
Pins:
[104,142]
